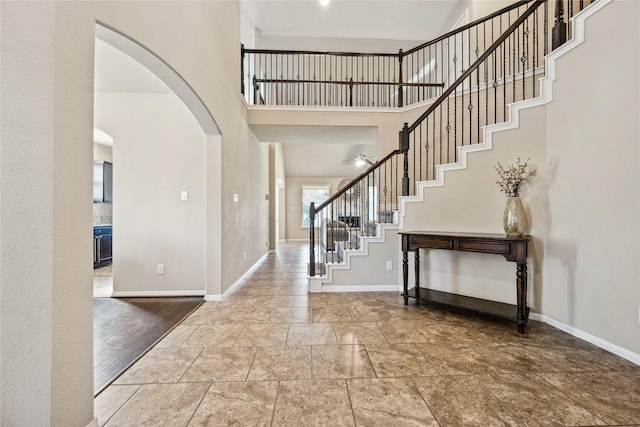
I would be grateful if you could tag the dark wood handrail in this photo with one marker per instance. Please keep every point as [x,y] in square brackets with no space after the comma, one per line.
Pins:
[317,52]
[506,34]
[356,180]
[348,82]
[468,26]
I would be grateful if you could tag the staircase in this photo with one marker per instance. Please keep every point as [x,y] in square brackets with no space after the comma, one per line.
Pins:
[485,99]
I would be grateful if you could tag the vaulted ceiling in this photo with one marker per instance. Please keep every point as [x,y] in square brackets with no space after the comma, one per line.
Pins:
[349,19]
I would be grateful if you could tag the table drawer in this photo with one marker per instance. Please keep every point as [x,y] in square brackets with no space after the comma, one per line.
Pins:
[488,247]
[431,243]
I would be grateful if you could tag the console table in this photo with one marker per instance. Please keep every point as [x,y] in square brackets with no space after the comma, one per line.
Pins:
[514,249]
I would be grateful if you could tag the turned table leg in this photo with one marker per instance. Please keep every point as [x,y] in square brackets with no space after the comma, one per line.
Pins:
[521,283]
[405,277]
[416,269]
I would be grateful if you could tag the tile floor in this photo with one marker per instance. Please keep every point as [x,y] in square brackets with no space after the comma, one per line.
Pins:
[103,281]
[273,355]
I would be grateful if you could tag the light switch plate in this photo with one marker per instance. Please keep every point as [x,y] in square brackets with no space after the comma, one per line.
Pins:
[184,195]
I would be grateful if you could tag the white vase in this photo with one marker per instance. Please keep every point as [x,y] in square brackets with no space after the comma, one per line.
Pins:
[514,219]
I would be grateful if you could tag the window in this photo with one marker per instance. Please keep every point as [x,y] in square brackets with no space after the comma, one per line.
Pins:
[312,193]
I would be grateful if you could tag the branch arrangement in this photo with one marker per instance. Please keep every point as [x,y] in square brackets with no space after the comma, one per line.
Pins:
[510,180]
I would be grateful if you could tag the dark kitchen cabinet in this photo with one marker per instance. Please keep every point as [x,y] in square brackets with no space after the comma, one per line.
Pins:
[102,249]
[102,182]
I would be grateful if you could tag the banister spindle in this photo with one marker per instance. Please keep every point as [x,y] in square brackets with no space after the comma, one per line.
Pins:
[312,255]
[400,91]
[256,91]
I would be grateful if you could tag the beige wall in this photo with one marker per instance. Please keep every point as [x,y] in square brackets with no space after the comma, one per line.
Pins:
[387,122]
[159,152]
[370,272]
[47,104]
[102,152]
[46,369]
[482,8]
[208,62]
[592,247]
[277,198]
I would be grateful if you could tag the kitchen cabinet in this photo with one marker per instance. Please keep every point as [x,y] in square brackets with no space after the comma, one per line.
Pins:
[102,245]
[102,182]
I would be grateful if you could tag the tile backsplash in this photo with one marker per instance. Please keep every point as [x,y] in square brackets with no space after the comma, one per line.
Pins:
[102,213]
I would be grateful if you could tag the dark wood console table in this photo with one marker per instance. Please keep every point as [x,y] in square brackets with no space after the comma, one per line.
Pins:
[514,249]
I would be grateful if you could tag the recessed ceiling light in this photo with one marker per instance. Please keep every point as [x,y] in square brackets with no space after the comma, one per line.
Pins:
[324,2]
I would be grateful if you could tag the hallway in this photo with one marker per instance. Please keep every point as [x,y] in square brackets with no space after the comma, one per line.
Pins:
[271,354]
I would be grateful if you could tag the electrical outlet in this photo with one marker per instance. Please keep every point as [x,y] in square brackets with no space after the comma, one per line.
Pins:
[389,265]
[160,269]
[244,255]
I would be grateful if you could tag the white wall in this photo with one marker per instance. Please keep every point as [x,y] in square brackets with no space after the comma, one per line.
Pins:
[160,151]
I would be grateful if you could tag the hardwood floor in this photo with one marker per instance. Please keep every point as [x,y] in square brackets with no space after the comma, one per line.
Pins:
[125,328]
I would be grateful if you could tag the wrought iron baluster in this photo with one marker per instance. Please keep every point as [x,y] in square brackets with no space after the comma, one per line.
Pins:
[504,79]
[426,150]
[433,151]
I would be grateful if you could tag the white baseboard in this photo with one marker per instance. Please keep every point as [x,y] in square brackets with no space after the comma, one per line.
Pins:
[606,345]
[94,423]
[146,294]
[218,297]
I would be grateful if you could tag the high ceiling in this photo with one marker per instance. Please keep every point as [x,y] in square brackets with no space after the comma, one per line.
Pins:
[359,19]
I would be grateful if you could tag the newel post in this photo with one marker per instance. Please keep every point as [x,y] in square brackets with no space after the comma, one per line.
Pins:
[559,30]
[312,239]
[400,88]
[242,69]
[404,147]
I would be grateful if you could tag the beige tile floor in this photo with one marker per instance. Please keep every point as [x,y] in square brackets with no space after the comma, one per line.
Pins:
[103,282]
[273,355]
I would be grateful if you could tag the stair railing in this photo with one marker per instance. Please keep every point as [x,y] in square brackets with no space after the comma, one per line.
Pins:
[505,72]
[354,211]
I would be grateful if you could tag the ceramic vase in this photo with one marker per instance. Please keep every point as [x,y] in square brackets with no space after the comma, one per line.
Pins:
[514,219]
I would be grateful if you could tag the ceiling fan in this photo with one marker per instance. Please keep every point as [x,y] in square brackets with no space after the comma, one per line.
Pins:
[361,160]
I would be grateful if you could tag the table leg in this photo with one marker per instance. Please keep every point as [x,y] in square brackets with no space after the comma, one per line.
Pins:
[405,277]
[521,283]
[416,266]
